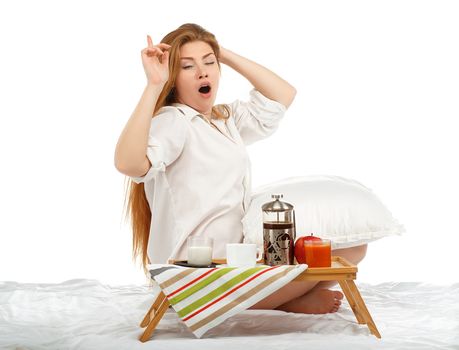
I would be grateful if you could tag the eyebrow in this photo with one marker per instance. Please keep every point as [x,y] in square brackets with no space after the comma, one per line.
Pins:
[191,58]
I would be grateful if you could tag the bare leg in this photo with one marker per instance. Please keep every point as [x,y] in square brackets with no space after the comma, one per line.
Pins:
[354,254]
[311,297]
[288,292]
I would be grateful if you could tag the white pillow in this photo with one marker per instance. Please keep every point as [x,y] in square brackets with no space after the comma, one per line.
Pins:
[333,207]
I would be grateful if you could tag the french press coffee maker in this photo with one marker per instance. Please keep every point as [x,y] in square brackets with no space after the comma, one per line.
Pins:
[278,232]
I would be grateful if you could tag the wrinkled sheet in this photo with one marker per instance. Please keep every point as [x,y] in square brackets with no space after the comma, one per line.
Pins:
[85,314]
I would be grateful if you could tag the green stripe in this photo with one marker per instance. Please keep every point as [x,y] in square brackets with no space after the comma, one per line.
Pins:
[237,301]
[219,291]
[200,285]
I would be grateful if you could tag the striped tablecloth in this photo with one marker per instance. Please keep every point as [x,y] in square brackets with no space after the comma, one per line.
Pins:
[205,297]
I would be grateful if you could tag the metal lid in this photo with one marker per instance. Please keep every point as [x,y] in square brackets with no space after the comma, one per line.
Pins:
[277,205]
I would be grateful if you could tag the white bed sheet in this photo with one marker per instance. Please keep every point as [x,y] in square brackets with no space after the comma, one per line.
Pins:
[85,314]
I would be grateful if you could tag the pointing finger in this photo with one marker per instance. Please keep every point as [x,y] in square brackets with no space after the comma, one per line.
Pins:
[150,42]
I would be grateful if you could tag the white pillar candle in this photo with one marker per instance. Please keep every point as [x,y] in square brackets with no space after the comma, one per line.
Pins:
[200,256]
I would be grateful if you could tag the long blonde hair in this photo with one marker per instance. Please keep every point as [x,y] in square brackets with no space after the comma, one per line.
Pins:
[137,208]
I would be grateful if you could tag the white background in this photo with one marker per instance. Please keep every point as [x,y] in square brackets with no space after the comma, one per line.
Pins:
[378,88]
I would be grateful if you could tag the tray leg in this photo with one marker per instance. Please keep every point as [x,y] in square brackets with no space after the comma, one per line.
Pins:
[351,300]
[153,309]
[158,314]
[363,309]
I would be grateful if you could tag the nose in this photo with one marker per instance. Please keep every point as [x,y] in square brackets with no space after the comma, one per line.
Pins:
[202,73]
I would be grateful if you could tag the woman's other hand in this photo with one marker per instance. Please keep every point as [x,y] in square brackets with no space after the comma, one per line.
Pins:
[222,56]
[155,60]
[265,81]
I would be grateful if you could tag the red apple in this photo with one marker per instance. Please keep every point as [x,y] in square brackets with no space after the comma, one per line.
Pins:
[300,253]
[311,237]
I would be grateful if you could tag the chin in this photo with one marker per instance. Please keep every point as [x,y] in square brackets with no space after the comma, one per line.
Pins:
[204,108]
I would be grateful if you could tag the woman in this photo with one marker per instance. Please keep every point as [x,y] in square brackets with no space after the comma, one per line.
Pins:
[189,165]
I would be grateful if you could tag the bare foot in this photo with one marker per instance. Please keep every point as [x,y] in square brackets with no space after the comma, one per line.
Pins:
[317,301]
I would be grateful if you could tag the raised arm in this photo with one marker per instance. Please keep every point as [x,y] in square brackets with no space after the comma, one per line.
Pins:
[131,149]
[268,83]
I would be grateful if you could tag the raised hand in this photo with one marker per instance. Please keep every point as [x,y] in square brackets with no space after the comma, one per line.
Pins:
[155,60]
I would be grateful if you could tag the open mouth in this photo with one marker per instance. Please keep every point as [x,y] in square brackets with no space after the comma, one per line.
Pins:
[205,89]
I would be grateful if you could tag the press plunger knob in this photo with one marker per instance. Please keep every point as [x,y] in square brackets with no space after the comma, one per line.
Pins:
[277,196]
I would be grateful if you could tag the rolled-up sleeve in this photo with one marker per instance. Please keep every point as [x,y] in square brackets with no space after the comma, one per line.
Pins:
[257,118]
[168,132]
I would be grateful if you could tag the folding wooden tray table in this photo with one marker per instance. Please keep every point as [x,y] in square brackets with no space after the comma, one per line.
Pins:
[341,271]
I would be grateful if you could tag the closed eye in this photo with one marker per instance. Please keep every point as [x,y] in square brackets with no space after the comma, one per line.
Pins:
[209,63]
[187,67]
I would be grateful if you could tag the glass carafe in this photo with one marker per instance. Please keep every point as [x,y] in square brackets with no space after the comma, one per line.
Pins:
[278,232]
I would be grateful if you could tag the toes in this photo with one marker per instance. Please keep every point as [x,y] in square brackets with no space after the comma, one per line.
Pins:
[338,295]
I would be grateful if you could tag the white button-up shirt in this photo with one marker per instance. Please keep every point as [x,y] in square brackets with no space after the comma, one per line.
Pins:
[199,183]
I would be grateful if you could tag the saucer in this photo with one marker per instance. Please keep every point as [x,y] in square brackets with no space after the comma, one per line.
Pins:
[185,264]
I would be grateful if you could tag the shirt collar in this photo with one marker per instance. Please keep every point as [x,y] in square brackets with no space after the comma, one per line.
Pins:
[187,111]
[191,113]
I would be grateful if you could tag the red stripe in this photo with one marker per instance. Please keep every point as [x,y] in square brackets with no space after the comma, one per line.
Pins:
[190,283]
[229,292]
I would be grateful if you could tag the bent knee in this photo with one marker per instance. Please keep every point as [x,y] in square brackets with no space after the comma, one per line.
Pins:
[361,251]
[353,254]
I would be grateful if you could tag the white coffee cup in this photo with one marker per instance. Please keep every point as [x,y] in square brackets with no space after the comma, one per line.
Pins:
[242,254]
